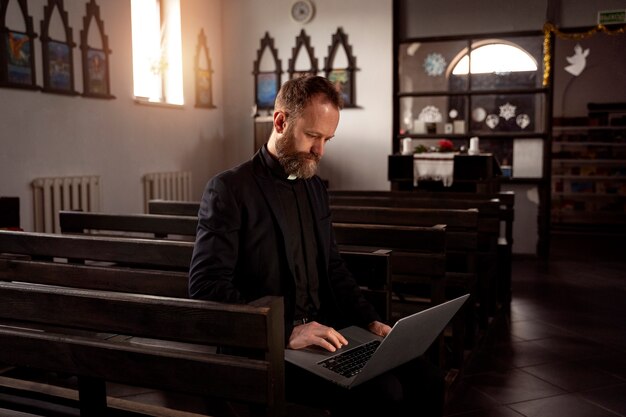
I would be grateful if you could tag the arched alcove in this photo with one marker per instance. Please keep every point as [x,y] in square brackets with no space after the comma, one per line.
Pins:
[297,64]
[342,76]
[204,74]
[94,47]
[267,74]
[57,53]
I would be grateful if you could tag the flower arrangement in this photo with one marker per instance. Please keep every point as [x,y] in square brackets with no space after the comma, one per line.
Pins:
[444,145]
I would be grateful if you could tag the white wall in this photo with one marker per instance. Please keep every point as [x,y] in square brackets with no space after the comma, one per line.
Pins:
[55,135]
[357,156]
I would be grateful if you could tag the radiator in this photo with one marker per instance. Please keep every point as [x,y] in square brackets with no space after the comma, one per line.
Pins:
[63,193]
[166,186]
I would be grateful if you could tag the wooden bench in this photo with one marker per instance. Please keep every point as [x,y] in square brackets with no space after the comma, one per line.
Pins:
[146,225]
[107,278]
[136,253]
[149,341]
[418,265]
[461,248]
[175,208]
[488,236]
[371,267]
[506,215]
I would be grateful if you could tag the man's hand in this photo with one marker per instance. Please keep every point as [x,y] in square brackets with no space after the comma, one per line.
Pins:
[378,328]
[313,333]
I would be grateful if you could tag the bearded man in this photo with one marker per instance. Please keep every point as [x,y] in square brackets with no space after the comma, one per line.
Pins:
[264,228]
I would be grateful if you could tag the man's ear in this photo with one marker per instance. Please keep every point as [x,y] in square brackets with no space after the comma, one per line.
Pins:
[280,121]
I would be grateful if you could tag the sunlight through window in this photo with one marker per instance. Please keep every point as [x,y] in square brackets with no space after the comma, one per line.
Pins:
[157,51]
[496,58]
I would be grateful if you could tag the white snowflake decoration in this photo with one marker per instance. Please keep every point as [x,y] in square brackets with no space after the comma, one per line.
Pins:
[430,114]
[507,111]
[434,64]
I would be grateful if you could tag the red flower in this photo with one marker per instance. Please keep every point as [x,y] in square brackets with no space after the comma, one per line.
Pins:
[445,145]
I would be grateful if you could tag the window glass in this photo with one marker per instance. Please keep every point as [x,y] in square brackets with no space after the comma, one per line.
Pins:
[157,51]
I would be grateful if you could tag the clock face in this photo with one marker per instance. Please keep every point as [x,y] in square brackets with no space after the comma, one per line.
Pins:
[302,11]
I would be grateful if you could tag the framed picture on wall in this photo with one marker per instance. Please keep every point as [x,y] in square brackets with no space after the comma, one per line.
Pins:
[59,66]
[96,77]
[266,89]
[17,50]
[341,79]
[203,89]
[18,56]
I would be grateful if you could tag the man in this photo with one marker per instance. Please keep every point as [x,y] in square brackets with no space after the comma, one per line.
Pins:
[265,229]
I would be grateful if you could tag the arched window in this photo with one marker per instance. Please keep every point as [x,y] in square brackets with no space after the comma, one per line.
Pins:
[490,57]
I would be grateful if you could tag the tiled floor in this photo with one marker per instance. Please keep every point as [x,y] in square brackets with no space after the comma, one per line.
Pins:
[562,349]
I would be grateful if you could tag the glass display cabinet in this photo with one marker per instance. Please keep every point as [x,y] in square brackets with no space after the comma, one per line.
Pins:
[488,87]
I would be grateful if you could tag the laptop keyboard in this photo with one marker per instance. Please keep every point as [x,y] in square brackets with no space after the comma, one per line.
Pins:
[351,362]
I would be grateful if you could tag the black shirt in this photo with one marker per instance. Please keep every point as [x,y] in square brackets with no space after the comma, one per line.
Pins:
[301,242]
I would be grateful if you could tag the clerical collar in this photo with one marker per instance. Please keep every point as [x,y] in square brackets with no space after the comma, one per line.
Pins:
[275,166]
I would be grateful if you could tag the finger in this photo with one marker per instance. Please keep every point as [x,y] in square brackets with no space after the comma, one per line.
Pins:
[335,338]
[325,344]
[342,339]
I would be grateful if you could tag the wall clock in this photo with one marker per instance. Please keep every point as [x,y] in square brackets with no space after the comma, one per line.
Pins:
[302,11]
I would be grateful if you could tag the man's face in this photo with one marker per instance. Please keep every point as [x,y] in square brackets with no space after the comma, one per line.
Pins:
[301,145]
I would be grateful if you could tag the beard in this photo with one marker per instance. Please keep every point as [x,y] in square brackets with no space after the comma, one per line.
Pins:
[301,164]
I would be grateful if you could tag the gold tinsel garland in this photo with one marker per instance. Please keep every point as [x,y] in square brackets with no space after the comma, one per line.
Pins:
[549,28]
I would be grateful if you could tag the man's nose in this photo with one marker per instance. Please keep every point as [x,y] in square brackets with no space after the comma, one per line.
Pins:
[318,147]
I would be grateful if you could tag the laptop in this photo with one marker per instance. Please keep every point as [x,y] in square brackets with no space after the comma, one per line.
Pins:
[408,339]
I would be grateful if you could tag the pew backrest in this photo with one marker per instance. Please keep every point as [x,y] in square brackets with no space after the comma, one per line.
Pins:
[461,225]
[144,253]
[108,278]
[68,324]
[176,208]
[417,252]
[153,225]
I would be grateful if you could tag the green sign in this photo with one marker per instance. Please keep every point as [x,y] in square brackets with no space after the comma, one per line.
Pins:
[609,17]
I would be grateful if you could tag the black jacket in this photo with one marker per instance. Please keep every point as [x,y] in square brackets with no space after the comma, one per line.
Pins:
[240,254]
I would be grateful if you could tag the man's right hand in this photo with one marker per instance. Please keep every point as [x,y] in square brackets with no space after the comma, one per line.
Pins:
[316,334]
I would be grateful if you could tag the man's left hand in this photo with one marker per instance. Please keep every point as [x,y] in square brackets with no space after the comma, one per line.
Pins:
[378,328]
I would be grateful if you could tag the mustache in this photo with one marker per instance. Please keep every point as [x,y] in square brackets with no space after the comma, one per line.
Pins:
[309,156]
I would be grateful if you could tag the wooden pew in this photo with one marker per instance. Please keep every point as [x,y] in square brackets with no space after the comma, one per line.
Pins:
[163,343]
[461,248]
[506,215]
[137,253]
[418,260]
[173,208]
[107,278]
[371,267]
[152,225]
[488,235]
[158,261]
